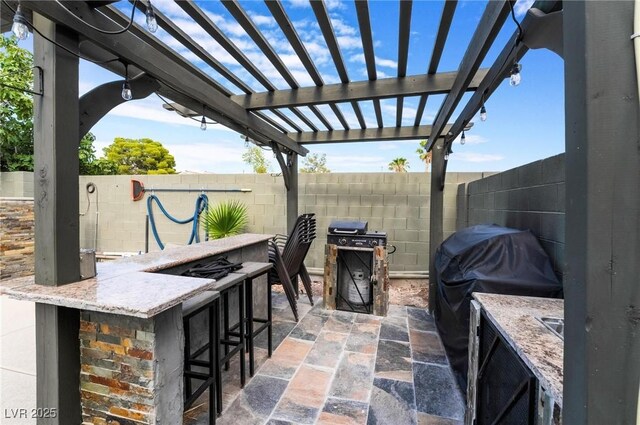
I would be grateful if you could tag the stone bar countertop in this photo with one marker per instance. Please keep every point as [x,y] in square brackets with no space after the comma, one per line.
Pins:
[131,286]
[537,346]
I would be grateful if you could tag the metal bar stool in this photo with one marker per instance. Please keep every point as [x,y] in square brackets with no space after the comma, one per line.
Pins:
[207,301]
[225,286]
[253,270]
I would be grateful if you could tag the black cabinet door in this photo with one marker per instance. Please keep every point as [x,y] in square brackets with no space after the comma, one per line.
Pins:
[506,388]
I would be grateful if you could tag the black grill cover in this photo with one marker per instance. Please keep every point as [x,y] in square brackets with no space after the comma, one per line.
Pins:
[485,258]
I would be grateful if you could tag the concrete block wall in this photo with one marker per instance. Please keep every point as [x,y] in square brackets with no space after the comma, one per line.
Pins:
[397,203]
[16,184]
[528,197]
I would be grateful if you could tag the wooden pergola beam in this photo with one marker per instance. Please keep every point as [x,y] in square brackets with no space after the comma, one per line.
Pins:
[166,66]
[386,88]
[438,48]
[403,51]
[364,135]
[488,28]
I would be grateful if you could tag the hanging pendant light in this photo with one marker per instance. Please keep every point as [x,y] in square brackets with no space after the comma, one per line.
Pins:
[515,77]
[19,27]
[127,94]
[152,22]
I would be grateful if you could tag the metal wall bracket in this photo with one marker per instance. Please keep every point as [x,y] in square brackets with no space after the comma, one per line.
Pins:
[39,79]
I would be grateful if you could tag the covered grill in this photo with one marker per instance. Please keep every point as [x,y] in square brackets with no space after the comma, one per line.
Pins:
[352,275]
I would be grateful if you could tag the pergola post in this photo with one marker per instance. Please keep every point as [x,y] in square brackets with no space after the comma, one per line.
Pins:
[56,139]
[292,191]
[436,215]
[602,293]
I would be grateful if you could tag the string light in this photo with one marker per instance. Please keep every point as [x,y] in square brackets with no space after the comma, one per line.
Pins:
[463,139]
[127,94]
[515,77]
[483,114]
[19,27]
[447,153]
[203,123]
[152,22]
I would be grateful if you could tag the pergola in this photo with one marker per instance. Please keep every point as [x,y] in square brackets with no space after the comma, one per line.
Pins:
[602,374]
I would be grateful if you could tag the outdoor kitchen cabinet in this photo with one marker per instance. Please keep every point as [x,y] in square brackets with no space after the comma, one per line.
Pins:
[505,386]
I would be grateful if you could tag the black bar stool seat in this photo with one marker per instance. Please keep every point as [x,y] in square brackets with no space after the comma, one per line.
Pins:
[253,270]
[231,344]
[207,301]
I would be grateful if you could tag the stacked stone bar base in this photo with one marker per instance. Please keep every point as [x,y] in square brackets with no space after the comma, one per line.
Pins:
[131,368]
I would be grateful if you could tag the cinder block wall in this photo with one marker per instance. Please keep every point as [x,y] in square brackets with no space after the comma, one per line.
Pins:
[16,184]
[397,203]
[528,197]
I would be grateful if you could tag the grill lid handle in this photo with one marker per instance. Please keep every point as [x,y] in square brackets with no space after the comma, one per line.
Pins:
[345,232]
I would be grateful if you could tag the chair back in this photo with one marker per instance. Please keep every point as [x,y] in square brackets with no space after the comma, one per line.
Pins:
[299,243]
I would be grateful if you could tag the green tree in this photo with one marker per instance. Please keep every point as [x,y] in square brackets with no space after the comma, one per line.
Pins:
[399,165]
[89,164]
[254,156]
[315,163]
[424,155]
[16,107]
[140,156]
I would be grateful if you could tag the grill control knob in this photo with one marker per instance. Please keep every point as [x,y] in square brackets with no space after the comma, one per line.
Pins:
[374,243]
[342,241]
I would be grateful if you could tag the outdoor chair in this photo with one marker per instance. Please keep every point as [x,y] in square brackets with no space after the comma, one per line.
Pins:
[287,256]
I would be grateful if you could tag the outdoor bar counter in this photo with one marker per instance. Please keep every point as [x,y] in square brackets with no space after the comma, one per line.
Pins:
[130,338]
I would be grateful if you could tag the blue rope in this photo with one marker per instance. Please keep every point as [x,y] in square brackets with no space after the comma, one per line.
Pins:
[202,203]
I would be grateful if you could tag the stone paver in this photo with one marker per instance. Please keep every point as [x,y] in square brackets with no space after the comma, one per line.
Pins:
[345,368]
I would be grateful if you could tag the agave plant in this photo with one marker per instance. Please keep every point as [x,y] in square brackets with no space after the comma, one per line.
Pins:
[227,218]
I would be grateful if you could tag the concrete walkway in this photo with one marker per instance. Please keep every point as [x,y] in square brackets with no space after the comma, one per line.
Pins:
[17,361]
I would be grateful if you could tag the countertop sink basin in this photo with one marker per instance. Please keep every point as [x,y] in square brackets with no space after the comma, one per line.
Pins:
[554,324]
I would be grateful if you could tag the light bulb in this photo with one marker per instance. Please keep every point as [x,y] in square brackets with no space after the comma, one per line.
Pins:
[463,139]
[515,77]
[19,27]
[126,91]
[446,156]
[203,124]
[483,114]
[152,23]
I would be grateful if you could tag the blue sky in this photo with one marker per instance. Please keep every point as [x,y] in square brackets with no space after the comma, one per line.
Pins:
[525,123]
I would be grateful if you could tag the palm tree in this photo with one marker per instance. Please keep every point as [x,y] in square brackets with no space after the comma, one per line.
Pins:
[424,155]
[399,165]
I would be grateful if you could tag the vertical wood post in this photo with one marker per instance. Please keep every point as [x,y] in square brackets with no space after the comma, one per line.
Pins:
[436,215]
[56,165]
[292,191]
[56,206]
[602,294]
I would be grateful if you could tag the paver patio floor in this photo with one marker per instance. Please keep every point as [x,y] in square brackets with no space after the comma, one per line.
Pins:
[343,368]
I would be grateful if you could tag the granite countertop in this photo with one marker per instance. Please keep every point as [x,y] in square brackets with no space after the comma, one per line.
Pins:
[538,347]
[130,286]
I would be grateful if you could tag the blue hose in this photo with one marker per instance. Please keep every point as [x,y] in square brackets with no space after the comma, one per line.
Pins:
[201,204]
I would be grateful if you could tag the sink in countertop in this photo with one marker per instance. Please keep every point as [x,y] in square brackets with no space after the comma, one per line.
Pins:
[554,324]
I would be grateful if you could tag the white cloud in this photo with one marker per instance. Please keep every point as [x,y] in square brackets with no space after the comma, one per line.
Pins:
[522,6]
[472,139]
[264,20]
[349,42]
[191,156]
[476,157]
[342,28]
